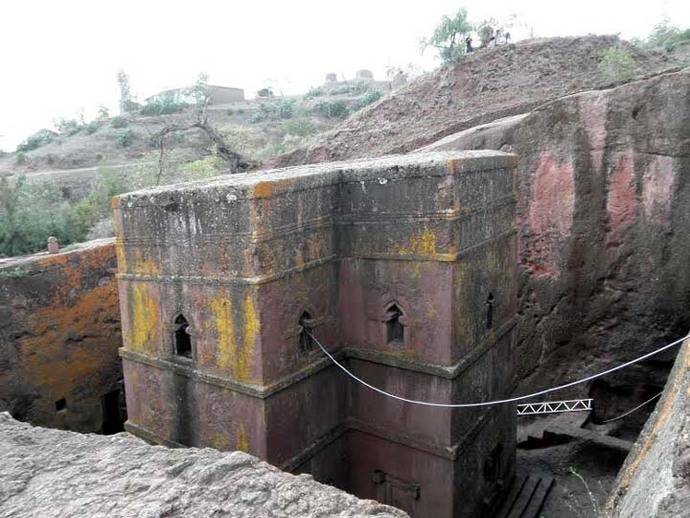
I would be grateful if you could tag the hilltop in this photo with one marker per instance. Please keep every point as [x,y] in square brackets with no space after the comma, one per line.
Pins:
[484,86]
[259,129]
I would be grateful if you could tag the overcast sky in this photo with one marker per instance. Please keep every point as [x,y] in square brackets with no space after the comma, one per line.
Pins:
[61,56]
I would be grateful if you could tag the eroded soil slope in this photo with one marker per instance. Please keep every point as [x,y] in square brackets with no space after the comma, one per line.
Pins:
[485,86]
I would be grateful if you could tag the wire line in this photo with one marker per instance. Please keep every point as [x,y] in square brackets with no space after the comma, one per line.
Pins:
[632,410]
[498,401]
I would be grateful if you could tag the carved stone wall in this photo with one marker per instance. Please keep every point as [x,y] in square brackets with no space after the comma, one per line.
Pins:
[59,336]
[403,267]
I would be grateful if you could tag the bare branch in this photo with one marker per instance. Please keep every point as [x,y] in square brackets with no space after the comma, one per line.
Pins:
[234,160]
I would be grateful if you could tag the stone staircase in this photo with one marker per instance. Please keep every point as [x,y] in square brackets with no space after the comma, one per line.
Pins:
[526,497]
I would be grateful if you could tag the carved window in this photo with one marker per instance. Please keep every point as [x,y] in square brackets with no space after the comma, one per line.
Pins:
[395,330]
[61,404]
[490,311]
[306,329]
[182,339]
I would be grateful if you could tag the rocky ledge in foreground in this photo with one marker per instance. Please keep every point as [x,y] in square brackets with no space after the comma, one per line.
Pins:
[48,472]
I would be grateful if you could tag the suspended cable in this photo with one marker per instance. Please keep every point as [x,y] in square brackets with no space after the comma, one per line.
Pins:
[633,409]
[498,401]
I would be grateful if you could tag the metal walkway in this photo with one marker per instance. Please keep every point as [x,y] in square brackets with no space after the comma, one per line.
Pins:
[554,407]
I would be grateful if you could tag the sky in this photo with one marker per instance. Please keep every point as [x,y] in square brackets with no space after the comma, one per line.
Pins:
[59,58]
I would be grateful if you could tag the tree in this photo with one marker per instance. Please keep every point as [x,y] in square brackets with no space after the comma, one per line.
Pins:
[236,163]
[666,36]
[127,103]
[199,92]
[103,112]
[29,214]
[617,64]
[450,36]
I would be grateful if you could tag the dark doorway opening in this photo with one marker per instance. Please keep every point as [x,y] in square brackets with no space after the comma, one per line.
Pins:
[114,412]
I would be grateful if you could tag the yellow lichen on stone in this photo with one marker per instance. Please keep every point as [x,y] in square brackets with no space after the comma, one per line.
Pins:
[221,307]
[121,256]
[144,318]
[424,244]
[220,441]
[232,354]
[142,266]
[242,362]
[463,314]
[242,443]
[455,165]
[263,189]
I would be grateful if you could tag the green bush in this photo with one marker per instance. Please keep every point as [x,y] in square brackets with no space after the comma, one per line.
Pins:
[29,214]
[332,109]
[301,127]
[356,88]
[38,139]
[314,92]
[125,137]
[666,36]
[68,127]
[92,127]
[368,98]
[617,64]
[200,169]
[119,122]
[163,105]
[273,111]
[96,206]
[20,159]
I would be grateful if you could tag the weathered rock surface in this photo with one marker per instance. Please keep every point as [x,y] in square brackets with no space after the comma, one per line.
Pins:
[59,335]
[483,87]
[56,473]
[604,209]
[655,479]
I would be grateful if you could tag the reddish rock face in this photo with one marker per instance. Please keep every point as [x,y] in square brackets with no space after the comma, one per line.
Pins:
[621,200]
[550,214]
[403,267]
[604,211]
[59,336]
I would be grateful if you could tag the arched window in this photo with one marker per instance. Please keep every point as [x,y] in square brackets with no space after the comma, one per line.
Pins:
[395,331]
[306,326]
[183,342]
[490,311]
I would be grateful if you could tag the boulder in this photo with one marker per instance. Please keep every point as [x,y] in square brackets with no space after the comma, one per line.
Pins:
[655,479]
[53,473]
